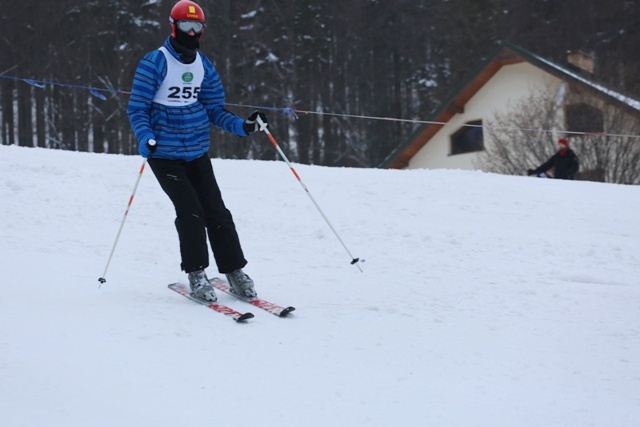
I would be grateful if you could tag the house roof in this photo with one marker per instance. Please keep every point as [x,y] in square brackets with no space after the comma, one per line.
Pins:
[504,54]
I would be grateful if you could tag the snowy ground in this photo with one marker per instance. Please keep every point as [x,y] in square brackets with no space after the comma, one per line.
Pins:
[485,300]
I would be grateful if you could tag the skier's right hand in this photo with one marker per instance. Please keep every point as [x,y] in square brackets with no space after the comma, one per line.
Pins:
[152,144]
[147,148]
[531,172]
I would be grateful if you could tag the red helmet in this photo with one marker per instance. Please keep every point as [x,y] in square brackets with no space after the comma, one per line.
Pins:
[185,10]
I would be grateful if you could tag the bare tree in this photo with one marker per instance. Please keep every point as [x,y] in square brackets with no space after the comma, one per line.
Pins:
[527,135]
[615,156]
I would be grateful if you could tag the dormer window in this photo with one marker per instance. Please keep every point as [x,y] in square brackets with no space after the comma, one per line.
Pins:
[584,118]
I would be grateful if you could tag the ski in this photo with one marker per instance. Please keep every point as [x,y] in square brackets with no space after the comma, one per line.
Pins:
[227,311]
[270,307]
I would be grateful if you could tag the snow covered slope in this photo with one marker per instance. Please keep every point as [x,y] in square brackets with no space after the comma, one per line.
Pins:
[485,300]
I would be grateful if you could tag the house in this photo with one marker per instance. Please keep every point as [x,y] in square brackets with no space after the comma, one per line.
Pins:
[455,136]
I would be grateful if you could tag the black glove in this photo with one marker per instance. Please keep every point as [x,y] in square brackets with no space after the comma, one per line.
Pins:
[531,172]
[251,124]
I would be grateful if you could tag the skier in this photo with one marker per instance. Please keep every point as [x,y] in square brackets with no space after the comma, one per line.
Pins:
[176,94]
[564,162]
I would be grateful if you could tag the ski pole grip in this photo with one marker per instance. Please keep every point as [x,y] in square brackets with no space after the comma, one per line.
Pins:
[263,125]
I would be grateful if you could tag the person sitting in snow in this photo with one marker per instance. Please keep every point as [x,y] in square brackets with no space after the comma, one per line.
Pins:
[564,163]
[176,95]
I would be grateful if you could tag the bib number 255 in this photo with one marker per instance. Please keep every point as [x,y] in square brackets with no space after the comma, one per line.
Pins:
[185,92]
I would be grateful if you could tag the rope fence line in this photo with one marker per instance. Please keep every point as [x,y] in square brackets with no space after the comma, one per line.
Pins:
[293,113]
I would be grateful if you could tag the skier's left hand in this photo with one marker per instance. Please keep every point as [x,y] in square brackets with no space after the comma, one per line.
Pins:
[251,124]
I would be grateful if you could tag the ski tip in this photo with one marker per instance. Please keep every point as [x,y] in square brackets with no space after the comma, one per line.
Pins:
[286,311]
[245,317]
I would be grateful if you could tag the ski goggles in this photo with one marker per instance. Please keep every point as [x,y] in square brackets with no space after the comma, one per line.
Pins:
[186,26]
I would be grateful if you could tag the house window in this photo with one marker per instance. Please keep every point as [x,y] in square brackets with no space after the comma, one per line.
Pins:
[468,138]
[584,118]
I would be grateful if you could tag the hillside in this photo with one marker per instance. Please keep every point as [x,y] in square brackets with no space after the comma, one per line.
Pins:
[486,300]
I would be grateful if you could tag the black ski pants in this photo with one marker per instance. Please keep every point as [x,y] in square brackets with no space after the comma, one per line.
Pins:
[195,194]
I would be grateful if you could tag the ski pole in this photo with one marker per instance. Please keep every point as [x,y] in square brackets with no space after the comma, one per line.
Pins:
[126,212]
[265,129]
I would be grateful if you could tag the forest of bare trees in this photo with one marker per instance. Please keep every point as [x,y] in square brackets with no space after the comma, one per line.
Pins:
[394,58]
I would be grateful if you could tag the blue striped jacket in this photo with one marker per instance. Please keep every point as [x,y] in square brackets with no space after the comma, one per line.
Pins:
[181,132]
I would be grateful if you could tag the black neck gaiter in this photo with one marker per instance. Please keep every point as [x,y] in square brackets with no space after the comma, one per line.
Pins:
[186,46]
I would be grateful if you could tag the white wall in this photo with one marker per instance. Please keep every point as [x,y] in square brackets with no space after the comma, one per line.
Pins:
[506,88]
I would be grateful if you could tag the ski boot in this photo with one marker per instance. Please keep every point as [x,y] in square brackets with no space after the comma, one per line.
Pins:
[241,284]
[200,286]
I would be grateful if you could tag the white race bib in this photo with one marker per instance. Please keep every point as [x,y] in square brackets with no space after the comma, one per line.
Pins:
[182,83]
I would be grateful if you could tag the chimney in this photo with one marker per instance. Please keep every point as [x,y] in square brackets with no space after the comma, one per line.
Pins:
[581,60]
